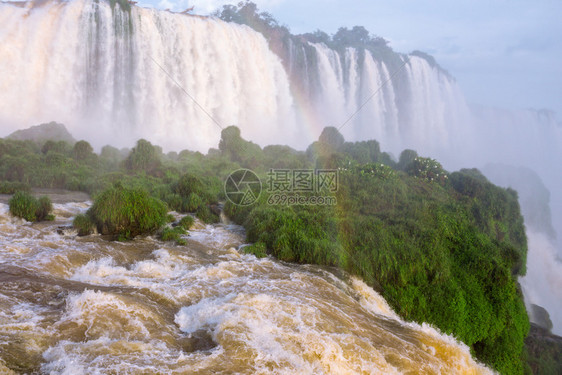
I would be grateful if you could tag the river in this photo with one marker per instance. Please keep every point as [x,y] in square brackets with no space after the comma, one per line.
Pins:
[85,305]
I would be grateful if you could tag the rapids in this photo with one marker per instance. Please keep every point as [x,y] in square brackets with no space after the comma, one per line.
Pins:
[71,305]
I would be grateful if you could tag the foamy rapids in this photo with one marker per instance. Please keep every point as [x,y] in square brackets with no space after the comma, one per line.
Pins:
[71,305]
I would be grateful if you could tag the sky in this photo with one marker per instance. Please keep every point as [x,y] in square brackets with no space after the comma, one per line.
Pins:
[502,53]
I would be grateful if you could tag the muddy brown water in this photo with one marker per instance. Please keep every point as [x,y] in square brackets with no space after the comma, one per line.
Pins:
[71,305]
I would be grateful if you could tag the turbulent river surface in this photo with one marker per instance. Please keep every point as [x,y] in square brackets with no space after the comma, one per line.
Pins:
[71,305]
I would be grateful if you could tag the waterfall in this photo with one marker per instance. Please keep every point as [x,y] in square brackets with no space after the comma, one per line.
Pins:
[113,76]
[97,70]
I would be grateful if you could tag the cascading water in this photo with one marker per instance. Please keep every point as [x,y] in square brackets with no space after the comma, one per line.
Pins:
[103,72]
[95,69]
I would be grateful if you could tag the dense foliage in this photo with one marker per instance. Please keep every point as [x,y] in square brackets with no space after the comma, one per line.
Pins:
[442,248]
[61,165]
[126,213]
[83,224]
[26,206]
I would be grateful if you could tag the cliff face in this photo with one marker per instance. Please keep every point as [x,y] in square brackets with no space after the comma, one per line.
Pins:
[544,351]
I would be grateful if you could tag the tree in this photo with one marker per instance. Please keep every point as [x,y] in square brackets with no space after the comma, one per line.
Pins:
[318,37]
[82,150]
[363,152]
[358,37]
[233,146]
[332,137]
[13,168]
[111,153]
[406,158]
[61,147]
[143,157]
[247,13]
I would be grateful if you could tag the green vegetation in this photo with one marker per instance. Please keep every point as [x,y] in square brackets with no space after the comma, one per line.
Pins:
[258,249]
[444,248]
[11,187]
[57,164]
[247,13]
[126,213]
[144,157]
[26,206]
[174,234]
[441,248]
[186,222]
[83,224]
[299,56]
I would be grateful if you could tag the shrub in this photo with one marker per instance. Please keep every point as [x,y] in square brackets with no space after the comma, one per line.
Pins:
[127,213]
[192,203]
[258,249]
[189,184]
[83,224]
[27,207]
[407,157]
[144,157]
[173,234]
[237,149]
[174,202]
[11,187]
[427,169]
[44,209]
[205,214]
[24,205]
[186,222]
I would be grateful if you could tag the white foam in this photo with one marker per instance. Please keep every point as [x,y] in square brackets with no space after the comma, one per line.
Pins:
[102,314]
[66,211]
[111,356]
[371,300]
